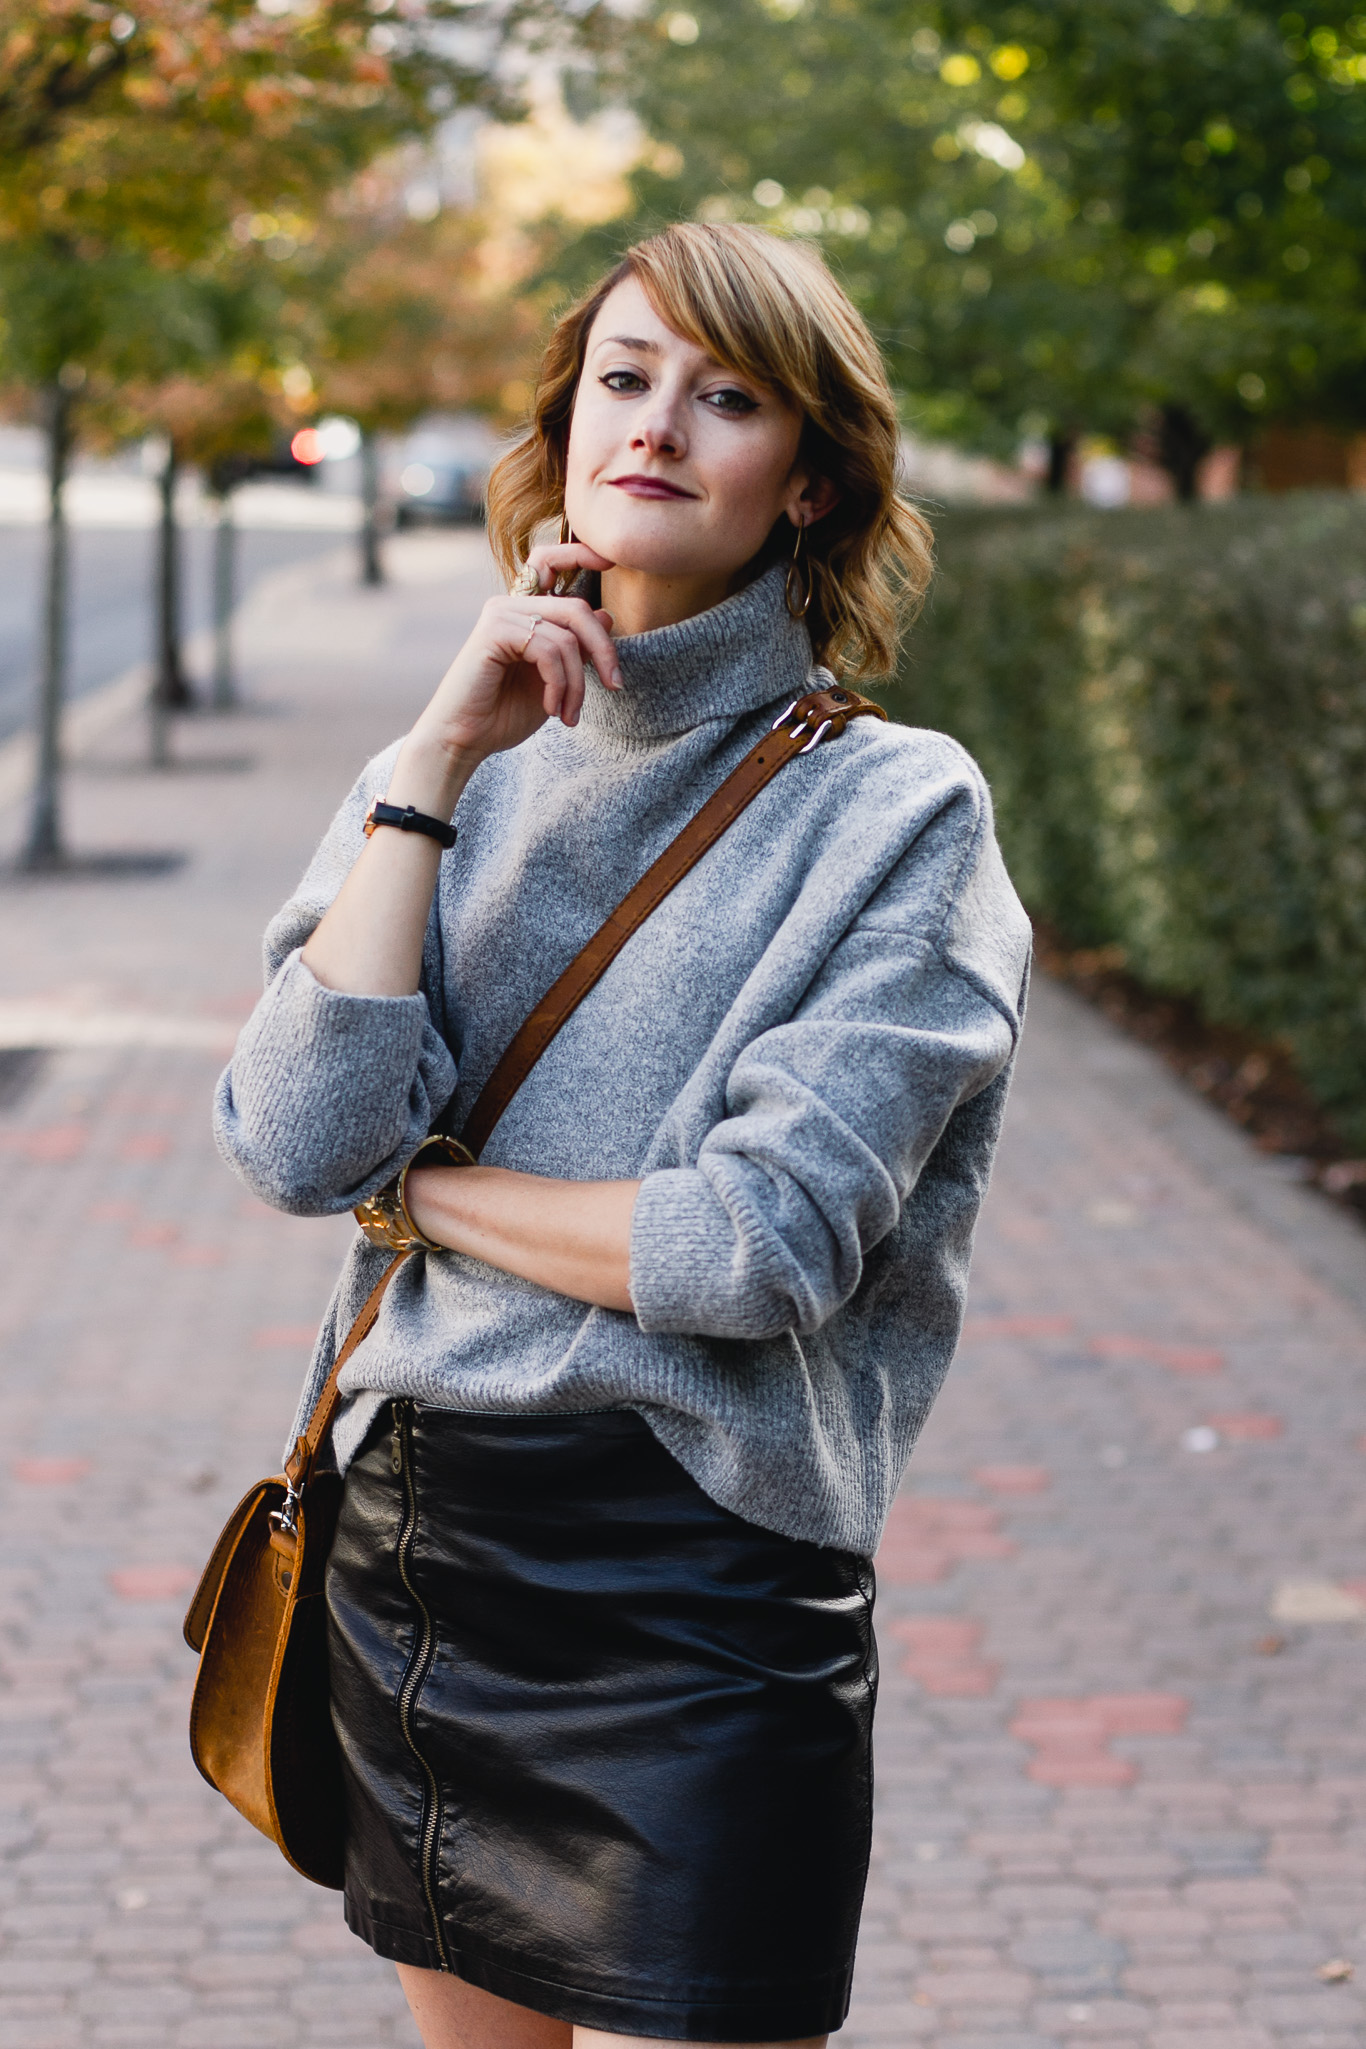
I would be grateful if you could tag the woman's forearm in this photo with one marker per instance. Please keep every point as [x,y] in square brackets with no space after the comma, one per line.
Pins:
[572,1236]
[370,941]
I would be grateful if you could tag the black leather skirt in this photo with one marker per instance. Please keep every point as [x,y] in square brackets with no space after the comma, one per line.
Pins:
[607,1746]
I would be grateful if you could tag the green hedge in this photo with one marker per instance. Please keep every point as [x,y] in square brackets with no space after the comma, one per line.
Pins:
[1170,706]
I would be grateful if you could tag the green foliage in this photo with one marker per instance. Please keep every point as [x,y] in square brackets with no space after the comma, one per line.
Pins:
[155,164]
[185,83]
[833,120]
[1069,210]
[397,317]
[1218,149]
[1171,709]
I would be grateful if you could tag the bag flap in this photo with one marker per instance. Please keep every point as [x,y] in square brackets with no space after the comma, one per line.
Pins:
[199,1614]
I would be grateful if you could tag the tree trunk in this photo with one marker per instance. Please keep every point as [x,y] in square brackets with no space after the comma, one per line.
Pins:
[371,568]
[1060,447]
[1182,445]
[170,690]
[224,578]
[44,846]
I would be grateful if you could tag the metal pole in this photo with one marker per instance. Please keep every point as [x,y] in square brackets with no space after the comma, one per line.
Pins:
[170,692]
[44,846]
[371,568]
[158,709]
[224,578]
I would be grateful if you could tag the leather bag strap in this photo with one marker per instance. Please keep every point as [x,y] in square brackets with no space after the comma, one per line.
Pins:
[300,1460]
[818,716]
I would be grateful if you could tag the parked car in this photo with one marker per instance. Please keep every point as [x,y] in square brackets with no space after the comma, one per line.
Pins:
[437,473]
[440,490]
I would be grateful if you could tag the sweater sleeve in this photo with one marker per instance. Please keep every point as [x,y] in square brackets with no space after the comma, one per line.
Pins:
[830,1117]
[328,1094]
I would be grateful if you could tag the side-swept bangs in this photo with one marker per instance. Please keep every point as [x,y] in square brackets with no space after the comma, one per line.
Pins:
[768,308]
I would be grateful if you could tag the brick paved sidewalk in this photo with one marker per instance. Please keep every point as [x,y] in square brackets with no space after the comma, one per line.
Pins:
[1121,1767]
[1122,1770]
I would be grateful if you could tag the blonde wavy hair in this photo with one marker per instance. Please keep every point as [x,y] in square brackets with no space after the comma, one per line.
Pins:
[769,309]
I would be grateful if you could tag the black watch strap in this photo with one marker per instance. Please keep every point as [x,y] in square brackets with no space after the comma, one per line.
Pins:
[407,820]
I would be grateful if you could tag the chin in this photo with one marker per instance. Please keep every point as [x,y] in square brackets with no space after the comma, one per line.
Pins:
[667,563]
[656,555]
[646,538]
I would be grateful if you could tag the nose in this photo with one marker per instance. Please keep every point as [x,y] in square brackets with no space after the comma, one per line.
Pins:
[660,428]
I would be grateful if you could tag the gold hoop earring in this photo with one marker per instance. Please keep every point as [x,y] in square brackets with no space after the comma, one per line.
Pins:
[797,590]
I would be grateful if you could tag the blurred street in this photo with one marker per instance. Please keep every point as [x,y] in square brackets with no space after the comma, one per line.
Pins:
[112,573]
[1122,1611]
[112,509]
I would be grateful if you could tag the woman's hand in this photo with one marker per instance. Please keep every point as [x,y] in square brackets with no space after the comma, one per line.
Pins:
[523,664]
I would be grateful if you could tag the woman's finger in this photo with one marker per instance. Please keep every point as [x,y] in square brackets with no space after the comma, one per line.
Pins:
[558,558]
[597,644]
[594,640]
[571,656]
[560,663]
[546,661]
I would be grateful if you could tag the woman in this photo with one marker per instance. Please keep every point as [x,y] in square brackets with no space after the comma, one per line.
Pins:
[618,1456]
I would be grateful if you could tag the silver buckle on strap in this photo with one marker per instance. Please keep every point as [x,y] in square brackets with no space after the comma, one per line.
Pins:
[802,726]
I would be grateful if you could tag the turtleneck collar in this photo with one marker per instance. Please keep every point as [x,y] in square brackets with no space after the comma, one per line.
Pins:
[739,656]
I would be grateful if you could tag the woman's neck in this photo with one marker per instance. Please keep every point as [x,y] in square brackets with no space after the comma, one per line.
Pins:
[640,602]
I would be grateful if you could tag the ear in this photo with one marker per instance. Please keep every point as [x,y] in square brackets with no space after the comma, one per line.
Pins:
[809,499]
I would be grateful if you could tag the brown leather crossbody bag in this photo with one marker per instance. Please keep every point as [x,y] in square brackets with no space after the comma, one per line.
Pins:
[260,1723]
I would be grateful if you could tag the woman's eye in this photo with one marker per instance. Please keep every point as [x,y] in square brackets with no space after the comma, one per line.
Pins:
[732,401]
[624,380]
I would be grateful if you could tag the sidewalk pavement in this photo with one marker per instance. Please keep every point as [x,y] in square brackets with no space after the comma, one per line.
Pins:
[1122,1773]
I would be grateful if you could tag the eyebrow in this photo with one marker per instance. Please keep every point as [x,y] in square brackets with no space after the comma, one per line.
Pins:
[650,348]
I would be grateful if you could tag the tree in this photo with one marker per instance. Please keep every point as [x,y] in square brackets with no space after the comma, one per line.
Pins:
[394,317]
[1220,152]
[217,422]
[129,145]
[60,319]
[1060,214]
[851,121]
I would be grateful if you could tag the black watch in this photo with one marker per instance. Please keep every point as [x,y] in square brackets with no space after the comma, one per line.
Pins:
[407,820]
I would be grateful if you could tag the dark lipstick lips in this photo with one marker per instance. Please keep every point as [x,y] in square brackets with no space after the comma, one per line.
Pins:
[657,486]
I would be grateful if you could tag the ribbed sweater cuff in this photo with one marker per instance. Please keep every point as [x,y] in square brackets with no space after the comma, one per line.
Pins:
[338,1030]
[321,1092]
[679,1234]
[699,1265]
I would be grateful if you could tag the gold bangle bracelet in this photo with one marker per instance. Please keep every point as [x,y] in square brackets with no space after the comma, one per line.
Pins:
[384,1216]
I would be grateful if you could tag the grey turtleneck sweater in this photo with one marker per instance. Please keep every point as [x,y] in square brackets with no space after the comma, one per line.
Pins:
[803,1056]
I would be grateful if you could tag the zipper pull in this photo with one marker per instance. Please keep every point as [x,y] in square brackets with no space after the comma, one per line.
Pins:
[396,1455]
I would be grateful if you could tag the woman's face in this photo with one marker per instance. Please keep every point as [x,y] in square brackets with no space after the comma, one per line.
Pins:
[677,467]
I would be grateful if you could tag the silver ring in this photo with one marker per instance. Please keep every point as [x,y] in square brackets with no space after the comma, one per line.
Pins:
[526,583]
[527,642]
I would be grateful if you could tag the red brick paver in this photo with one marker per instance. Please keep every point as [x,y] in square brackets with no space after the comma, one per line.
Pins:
[156,1324]
[1150,1828]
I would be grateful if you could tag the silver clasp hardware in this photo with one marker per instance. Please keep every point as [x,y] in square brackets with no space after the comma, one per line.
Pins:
[285,1518]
